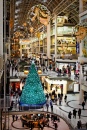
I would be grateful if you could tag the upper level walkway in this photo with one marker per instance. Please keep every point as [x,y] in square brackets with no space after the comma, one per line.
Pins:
[49,73]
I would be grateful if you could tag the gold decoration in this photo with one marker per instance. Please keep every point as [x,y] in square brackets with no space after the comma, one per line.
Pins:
[24,24]
[81,33]
[73,51]
[44,21]
[84,52]
[40,13]
[31,29]
[38,35]
[43,14]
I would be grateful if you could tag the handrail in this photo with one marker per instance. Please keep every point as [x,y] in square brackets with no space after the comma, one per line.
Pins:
[7,102]
[72,123]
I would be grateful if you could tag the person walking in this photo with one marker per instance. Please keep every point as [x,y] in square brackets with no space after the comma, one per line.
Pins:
[13,116]
[51,105]
[65,98]
[83,104]
[79,124]
[47,106]
[16,117]
[51,108]
[12,69]
[74,113]
[69,115]
[79,113]
[60,102]
[86,125]
[56,125]
[85,98]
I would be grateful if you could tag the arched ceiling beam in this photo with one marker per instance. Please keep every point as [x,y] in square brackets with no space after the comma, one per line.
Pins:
[63,6]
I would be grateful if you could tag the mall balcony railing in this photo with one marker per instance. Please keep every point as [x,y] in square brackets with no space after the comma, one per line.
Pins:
[71,122]
[68,56]
[5,102]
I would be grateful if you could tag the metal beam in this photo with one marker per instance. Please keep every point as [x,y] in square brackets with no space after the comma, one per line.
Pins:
[63,6]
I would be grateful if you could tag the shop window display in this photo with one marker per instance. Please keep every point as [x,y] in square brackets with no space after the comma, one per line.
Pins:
[15,85]
[66,43]
[66,46]
[56,88]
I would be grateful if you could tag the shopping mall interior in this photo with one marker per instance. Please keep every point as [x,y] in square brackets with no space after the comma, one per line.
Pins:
[43,64]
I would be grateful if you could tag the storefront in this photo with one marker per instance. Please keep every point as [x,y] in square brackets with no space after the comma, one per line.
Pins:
[15,84]
[59,86]
[62,85]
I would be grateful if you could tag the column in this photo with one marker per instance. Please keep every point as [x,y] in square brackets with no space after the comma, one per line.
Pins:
[80,6]
[1,27]
[81,47]
[21,51]
[28,52]
[48,40]
[9,52]
[81,97]
[39,45]
[55,37]
[81,94]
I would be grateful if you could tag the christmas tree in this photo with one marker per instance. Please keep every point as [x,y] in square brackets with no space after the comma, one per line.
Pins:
[32,93]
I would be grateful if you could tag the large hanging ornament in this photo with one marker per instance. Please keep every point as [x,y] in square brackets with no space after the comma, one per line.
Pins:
[81,33]
[40,13]
[31,29]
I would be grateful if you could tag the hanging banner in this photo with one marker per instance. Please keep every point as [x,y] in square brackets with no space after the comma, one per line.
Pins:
[77,47]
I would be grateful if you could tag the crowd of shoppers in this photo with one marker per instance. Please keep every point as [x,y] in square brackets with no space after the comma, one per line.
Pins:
[64,71]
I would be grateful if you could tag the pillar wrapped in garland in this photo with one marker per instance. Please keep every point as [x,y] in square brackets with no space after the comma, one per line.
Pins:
[32,93]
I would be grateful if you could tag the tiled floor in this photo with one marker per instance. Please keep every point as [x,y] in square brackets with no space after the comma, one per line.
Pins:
[73,102]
